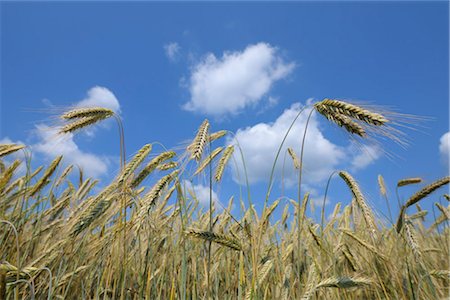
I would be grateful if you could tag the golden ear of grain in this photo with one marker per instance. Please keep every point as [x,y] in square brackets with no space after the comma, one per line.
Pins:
[311,284]
[6,176]
[43,181]
[408,181]
[83,122]
[364,244]
[199,143]
[151,166]
[444,210]
[221,239]
[344,282]
[153,195]
[223,162]
[167,166]
[6,149]
[217,135]
[294,157]
[342,121]
[427,191]
[412,240]
[350,110]
[87,112]
[135,162]
[208,160]
[354,188]
[382,185]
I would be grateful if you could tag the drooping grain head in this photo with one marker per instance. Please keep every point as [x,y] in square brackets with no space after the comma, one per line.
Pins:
[329,106]
[408,181]
[87,112]
[6,149]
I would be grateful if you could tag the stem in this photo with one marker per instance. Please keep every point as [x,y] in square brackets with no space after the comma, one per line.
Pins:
[300,218]
[322,219]
[210,224]
[276,157]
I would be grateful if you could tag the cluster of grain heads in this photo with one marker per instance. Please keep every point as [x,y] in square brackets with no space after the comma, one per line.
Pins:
[349,116]
[134,163]
[332,108]
[79,118]
[151,166]
[69,236]
[421,194]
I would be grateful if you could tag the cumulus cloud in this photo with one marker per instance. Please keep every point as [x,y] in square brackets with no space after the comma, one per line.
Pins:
[260,144]
[100,96]
[226,85]
[321,157]
[201,192]
[444,147]
[172,51]
[51,145]
[365,156]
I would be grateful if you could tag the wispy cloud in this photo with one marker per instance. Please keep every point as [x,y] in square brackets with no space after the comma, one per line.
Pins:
[239,79]
[172,51]
[444,148]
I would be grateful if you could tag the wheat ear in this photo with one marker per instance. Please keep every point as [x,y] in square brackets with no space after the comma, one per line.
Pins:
[294,157]
[151,166]
[87,112]
[367,213]
[408,181]
[208,160]
[344,282]
[6,149]
[223,162]
[221,239]
[419,196]
[135,162]
[198,145]
[351,110]
[44,179]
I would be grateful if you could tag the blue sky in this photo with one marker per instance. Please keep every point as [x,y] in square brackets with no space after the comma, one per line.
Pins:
[245,67]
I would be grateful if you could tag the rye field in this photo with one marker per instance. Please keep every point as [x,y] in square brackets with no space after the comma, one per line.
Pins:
[143,235]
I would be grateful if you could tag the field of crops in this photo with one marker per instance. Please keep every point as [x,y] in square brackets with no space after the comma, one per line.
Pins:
[144,236]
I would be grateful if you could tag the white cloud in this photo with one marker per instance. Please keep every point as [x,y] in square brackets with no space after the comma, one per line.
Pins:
[201,193]
[226,85]
[100,96]
[260,144]
[51,145]
[444,147]
[321,157]
[365,156]
[172,51]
